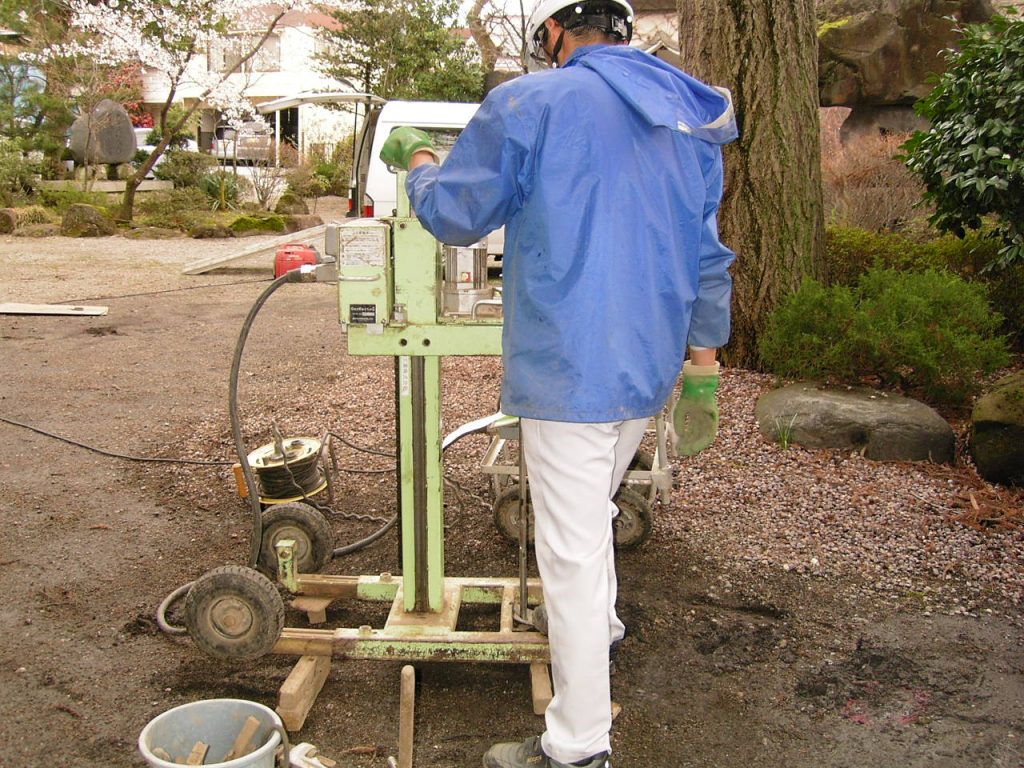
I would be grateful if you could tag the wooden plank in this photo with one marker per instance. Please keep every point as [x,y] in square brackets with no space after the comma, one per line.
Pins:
[540,684]
[15,308]
[244,740]
[406,716]
[199,266]
[198,754]
[299,691]
[314,607]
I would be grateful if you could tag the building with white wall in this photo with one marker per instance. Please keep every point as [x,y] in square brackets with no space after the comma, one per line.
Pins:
[284,65]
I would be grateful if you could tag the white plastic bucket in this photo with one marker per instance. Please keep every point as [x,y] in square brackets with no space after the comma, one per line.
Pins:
[215,722]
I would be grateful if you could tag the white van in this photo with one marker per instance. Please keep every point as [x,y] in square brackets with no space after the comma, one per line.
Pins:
[375,186]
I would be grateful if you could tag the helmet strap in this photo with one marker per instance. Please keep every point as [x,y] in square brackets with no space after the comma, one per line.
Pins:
[558,46]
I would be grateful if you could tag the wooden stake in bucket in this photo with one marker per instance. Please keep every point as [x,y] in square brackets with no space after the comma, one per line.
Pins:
[217,733]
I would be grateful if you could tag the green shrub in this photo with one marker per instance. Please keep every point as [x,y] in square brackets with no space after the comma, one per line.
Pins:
[33,214]
[62,199]
[970,157]
[815,321]
[16,172]
[257,223]
[852,252]
[173,209]
[184,168]
[929,332]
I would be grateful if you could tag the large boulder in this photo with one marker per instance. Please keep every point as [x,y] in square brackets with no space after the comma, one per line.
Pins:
[82,220]
[876,56]
[883,426]
[997,432]
[883,51]
[104,136]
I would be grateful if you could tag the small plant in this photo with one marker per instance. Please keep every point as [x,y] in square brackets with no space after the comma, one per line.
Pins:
[784,430]
[926,331]
[223,188]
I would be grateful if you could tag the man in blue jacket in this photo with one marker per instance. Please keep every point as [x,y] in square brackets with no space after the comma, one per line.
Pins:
[606,172]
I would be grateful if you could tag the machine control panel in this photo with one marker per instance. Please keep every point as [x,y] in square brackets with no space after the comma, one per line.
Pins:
[362,248]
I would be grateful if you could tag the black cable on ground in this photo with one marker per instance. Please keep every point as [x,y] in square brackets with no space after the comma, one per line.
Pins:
[166,290]
[256,537]
[112,454]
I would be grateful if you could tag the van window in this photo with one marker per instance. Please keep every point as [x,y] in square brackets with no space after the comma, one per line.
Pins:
[443,139]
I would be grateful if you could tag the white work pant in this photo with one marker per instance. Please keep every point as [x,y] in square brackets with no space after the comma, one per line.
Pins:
[573,471]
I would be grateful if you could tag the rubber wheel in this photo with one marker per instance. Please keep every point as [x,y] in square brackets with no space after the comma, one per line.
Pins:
[313,536]
[234,613]
[506,513]
[633,525]
[630,528]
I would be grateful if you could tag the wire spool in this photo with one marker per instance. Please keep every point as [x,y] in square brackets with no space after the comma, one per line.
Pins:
[289,471]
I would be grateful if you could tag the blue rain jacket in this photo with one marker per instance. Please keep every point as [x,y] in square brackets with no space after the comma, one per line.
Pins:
[607,174]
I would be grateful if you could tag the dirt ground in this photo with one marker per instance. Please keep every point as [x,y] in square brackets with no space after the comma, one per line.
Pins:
[781,670]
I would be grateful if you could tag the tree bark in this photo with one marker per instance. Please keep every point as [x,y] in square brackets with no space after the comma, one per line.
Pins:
[765,52]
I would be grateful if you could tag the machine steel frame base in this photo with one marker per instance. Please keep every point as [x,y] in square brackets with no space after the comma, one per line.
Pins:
[406,636]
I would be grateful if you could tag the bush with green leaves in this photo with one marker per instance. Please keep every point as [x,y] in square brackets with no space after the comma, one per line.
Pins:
[62,199]
[971,160]
[929,333]
[16,172]
[223,189]
[851,252]
[184,168]
[175,208]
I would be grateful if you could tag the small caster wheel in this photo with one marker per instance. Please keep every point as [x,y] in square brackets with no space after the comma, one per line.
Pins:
[234,613]
[630,528]
[506,513]
[307,527]
[633,525]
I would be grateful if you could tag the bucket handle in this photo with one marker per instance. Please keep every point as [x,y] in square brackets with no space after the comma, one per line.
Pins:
[286,754]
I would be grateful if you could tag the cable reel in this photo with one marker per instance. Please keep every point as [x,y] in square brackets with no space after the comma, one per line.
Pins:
[288,469]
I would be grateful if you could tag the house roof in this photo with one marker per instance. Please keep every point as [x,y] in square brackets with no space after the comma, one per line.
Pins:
[654,6]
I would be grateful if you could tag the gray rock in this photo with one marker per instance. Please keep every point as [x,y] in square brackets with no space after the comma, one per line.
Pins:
[882,52]
[884,426]
[297,222]
[105,133]
[82,220]
[290,203]
[8,220]
[210,232]
[997,432]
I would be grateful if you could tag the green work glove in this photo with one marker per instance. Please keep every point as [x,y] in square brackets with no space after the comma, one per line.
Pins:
[695,416]
[402,144]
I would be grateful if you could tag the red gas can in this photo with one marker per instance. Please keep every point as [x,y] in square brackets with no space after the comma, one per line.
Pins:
[292,256]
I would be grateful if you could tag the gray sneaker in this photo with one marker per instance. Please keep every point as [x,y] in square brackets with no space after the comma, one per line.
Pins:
[528,754]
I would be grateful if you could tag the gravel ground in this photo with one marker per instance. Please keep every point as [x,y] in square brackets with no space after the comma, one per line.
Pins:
[905,531]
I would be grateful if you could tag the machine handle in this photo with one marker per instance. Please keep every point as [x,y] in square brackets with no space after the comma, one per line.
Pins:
[358,278]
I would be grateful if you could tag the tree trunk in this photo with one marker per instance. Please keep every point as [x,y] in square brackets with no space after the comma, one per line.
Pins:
[765,52]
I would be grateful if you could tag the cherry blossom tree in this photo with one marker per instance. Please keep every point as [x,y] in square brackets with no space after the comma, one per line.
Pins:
[172,38]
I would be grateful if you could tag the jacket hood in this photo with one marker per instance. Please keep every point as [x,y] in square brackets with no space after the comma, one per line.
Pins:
[664,95]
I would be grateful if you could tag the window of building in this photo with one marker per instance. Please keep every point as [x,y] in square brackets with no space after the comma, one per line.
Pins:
[224,54]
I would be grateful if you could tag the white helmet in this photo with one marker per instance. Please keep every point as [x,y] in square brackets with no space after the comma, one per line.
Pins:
[615,17]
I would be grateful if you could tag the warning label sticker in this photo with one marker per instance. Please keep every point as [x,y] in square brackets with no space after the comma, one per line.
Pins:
[363,247]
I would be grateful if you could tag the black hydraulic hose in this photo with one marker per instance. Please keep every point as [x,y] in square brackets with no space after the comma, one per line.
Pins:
[256,536]
[367,541]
